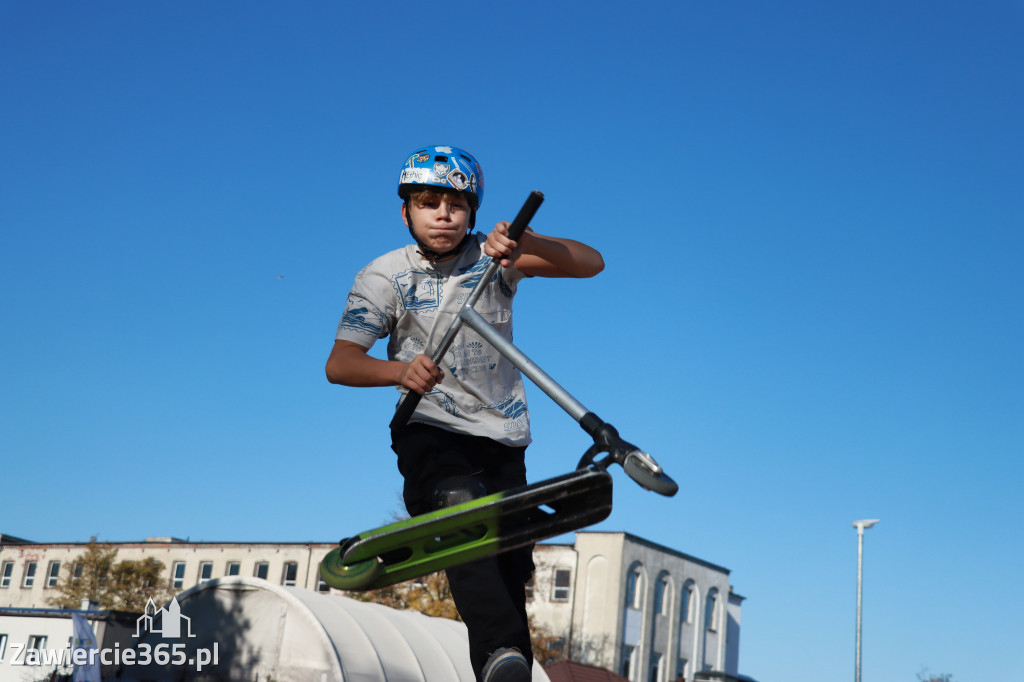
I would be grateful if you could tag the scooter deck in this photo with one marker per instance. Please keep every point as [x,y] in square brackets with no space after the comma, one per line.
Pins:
[455,535]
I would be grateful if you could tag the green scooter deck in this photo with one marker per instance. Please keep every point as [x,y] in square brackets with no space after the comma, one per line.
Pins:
[455,535]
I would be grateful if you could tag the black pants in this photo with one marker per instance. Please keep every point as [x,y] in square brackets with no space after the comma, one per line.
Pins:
[489,593]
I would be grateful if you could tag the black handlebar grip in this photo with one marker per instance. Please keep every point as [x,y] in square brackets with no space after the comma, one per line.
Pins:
[526,213]
[405,409]
[515,231]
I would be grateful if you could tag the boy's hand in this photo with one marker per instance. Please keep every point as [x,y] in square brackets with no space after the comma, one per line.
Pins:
[499,244]
[421,374]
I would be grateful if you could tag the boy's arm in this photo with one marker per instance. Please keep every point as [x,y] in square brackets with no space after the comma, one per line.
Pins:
[349,365]
[539,255]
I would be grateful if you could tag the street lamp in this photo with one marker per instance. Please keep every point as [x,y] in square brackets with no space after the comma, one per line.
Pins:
[860,526]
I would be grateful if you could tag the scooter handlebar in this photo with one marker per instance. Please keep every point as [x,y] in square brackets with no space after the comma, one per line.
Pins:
[642,468]
[639,465]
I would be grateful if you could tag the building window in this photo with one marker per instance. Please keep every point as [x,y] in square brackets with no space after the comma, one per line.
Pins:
[76,574]
[560,591]
[682,668]
[53,574]
[36,643]
[686,607]
[30,575]
[262,570]
[655,674]
[291,572]
[321,586]
[178,575]
[662,596]
[529,588]
[634,588]
[233,568]
[711,611]
[6,571]
[626,670]
[205,571]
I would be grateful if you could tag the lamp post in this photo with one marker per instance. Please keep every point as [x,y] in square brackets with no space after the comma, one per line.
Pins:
[860,526]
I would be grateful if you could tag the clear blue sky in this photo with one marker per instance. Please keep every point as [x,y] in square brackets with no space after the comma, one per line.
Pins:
[812,310]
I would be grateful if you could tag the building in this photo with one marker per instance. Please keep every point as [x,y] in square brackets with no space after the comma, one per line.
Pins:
[29,572]
[36,642]
[614,600]
[646,612]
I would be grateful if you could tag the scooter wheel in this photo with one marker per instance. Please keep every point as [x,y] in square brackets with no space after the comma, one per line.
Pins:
[358,576]
[660,482]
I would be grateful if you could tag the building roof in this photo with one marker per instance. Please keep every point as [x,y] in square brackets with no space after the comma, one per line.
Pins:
[151,542]
[571,671]
[103,614]
[654,545]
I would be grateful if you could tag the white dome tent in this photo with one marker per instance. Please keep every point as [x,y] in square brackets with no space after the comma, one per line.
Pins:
[250,629]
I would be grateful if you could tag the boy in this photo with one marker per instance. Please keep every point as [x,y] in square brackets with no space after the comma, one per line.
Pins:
[469,434]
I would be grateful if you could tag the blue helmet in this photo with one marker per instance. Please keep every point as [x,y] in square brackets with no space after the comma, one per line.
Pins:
[443,166]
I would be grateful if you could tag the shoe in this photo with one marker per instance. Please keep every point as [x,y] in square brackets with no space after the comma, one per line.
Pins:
[507,665]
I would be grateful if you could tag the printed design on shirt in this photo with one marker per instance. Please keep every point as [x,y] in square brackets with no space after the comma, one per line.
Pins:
[410,347]
[363,318]
[465,359]
[477,269]
[419,291]
[514,409]
[444,400]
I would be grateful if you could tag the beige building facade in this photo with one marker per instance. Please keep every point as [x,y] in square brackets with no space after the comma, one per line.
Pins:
[29,572]
[644,611]
[614,600]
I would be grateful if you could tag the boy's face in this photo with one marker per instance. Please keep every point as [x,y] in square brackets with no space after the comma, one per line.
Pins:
[439,219]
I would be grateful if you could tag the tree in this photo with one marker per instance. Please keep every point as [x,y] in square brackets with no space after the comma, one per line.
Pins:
[432,596]
[134,583]
[547,648]
[126,585]
[925,676]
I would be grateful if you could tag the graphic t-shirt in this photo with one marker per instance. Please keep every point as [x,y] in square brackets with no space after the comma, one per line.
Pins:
[412,303]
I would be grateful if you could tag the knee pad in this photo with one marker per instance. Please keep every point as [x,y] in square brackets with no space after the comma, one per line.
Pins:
[456,490]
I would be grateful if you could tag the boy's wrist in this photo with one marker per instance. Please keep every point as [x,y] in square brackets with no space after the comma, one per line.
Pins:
[527,240]
[398,368]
